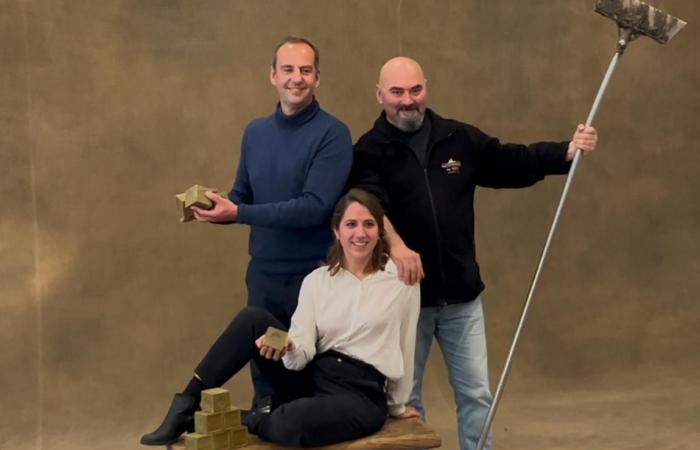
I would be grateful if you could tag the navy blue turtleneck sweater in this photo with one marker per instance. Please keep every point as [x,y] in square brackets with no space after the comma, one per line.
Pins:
[291,173]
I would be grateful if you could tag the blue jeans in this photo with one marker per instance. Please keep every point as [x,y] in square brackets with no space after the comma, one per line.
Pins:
[459,330]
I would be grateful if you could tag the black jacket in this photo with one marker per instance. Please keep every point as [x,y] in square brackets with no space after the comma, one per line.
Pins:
[432,206]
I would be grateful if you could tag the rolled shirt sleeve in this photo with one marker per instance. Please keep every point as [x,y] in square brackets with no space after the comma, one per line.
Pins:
[303,328]
[399,390]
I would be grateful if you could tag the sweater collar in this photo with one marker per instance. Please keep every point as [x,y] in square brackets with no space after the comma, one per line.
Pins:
[296,119]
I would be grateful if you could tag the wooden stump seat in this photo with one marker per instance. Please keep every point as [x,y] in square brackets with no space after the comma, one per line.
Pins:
[397,434]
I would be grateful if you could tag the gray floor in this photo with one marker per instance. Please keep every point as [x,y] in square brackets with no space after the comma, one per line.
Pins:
[650,408]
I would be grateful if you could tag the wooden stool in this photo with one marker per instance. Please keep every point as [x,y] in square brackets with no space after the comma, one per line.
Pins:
[397,434]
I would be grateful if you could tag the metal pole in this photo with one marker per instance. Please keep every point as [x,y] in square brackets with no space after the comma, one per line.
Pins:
[572,171]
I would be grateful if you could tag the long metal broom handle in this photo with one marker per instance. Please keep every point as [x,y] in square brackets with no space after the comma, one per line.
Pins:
[572,171]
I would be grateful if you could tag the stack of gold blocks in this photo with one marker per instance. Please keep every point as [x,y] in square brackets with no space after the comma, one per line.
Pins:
[218,425]
[194,196]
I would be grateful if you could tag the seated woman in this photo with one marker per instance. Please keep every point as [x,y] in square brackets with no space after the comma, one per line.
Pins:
[348,359]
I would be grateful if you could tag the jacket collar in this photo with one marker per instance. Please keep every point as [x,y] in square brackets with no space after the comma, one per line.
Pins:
[384,131]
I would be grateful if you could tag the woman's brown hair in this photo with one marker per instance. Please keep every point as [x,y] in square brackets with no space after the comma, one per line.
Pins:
[381,250]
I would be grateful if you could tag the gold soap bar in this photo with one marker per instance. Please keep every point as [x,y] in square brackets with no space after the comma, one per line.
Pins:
[232,418]
[205,422]
[195,196]
[275,338]
[239,437]
[196,441]
[186,214]
[221,439]
[215,400]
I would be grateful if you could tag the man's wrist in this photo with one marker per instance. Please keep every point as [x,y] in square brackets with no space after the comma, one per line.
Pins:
[393,239]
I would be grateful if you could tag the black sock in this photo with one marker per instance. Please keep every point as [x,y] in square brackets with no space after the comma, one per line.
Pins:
[194,388]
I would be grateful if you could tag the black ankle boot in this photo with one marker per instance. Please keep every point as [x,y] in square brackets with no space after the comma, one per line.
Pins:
[180,418]
[251,419]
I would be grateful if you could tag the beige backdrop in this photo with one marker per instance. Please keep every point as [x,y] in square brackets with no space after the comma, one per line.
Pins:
[108,108]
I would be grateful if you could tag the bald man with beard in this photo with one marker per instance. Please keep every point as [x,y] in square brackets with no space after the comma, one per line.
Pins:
[424,169]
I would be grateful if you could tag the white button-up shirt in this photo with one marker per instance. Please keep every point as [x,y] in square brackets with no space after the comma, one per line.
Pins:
[373,320]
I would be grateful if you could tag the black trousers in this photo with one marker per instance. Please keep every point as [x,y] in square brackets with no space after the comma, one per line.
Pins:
[334,399]
[277,294]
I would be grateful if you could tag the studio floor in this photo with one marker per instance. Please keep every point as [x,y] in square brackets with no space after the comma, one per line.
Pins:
[647,409]
[650,408]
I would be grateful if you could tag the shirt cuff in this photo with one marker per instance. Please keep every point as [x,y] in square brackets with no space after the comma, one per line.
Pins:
[291,359]
[396,410]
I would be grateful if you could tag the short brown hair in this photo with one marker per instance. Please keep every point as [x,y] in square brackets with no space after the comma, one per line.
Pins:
[380,251]
[297,40]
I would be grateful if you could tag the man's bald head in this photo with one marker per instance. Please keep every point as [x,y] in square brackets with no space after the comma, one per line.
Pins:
[400,67]
[402,92]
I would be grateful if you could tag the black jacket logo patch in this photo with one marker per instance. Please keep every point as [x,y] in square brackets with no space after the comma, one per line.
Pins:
[452,167]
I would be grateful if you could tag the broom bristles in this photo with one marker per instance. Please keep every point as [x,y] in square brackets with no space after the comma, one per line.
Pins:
[641,18]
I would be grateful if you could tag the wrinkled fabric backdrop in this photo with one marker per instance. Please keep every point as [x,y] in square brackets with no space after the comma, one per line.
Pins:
[109,108]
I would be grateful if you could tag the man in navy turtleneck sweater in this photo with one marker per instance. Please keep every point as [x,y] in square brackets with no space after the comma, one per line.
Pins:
[292,170]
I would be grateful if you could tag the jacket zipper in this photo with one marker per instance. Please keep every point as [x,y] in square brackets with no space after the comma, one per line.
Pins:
[436,225]
[424,166]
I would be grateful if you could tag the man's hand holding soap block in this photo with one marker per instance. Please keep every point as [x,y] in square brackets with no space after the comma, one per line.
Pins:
[195,195]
